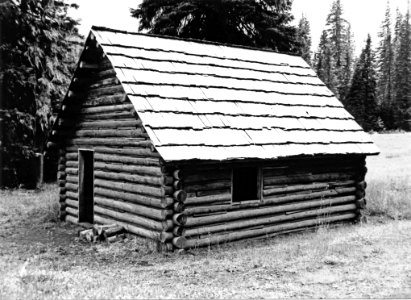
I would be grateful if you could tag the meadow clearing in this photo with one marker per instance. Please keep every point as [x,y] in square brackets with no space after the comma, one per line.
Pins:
[42,258]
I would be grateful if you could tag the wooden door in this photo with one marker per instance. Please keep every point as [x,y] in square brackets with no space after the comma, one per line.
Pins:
[86,186]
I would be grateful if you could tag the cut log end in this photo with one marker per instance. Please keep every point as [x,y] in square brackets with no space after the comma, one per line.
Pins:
[180,242]
[180,196]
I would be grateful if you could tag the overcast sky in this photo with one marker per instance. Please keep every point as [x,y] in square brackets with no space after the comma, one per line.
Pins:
[365,16]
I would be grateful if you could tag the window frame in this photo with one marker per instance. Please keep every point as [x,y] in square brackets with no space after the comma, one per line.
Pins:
[259,186]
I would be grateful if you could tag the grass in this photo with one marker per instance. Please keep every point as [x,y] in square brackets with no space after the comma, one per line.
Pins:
[42,258]
[389,177]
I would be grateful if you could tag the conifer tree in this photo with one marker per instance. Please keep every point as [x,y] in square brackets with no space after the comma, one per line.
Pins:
[324,64]
[258,23]
[402,77]
[304,39]
[361,100]
[339,38]
[385,65]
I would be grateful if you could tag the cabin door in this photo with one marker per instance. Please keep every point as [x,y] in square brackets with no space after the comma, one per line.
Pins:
[86,186]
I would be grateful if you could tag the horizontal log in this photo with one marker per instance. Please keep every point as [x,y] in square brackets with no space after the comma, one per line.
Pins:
[72,171]
[304,187]
[151,234]
[72,211]
[155,220]
[134,152]
[91,83]
[93,93]
[215,185]
[308,195]
[212,192]
[72,179]
[131,142]
[307,178]
[71,219]
[262,211]
[103,133]
[179,231]
[236,225]
[72,203]
[208,199]
[194,210]
[218,175]
[127,159]
[127,177]
[134,198]
[142,170]
[106,109]
[123,123]
[71,195]
[105,100]
[183,243]
[72,187]
[139,189]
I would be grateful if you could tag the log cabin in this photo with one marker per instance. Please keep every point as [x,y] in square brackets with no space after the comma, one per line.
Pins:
[193,143]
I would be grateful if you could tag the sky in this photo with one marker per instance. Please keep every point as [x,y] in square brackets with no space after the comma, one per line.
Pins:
[365,16]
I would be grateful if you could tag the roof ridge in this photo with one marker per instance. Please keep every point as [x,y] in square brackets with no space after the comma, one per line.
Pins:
[102,28]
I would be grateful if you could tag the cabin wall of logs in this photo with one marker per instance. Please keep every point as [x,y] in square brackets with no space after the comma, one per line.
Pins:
[130,185]
[295,195]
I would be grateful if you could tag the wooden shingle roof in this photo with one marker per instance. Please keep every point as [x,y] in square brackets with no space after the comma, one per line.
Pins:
[215,102]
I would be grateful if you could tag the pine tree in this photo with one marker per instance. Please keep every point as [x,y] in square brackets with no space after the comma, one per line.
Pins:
[258,23]
[402,77]
[324,64]
[361,100]
[304,39]
[385,66]
[339,37]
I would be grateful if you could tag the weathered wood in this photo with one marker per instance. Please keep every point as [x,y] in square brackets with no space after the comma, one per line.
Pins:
[155,235]
[177,174]
[179,231]
[134,198]
[134,152]
[71,195]
[307,178]
[180,196]
[127,177]
[146,223]
[135,209]
[127,159]
[105,100]
[262,211]
[72,211]
[215,185]
[193,210]
[308,195]
[208,199]
[178,207]
[136,142]
[72,203]
[183,243]
[239,225]
[179,219]
[134,169]
[116,124]
[72,187]
[106,109]
[177,185]
[103,133]
[303,187]
[140,189]
[361,203]
[201,177]
[71,219]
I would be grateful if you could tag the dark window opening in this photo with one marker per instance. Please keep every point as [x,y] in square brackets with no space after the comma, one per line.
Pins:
[86,186]
[245,184]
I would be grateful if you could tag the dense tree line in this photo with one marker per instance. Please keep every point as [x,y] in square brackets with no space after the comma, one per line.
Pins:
[38,48]
[377,88]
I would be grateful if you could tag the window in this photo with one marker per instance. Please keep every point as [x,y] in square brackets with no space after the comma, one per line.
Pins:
[246,184]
